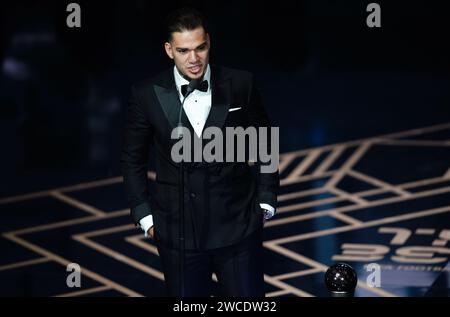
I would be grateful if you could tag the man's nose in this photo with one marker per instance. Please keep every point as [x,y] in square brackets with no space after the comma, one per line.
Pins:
[193,57]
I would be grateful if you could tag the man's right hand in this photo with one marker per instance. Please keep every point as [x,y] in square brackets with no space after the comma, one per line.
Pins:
[150,232]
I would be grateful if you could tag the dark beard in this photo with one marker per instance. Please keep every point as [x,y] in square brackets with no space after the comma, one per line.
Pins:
[189,79]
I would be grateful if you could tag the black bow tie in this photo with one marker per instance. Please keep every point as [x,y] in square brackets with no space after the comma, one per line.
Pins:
[203,86]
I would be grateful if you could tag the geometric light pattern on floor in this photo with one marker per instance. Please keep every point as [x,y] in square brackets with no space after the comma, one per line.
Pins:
[382,200]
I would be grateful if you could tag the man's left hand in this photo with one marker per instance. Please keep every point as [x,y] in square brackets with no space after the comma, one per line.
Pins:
[266,215]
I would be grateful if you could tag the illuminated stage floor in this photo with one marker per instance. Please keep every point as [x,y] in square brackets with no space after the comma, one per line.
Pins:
[383,200]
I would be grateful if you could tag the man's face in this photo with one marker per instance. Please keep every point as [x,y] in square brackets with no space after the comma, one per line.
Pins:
[189,50]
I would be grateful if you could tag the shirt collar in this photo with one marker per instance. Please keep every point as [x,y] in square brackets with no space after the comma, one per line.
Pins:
[180,80]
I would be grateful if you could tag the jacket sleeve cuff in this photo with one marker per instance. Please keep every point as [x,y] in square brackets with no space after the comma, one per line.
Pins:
[140,211]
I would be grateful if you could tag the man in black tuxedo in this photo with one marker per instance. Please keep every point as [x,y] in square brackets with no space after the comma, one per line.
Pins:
[225,203]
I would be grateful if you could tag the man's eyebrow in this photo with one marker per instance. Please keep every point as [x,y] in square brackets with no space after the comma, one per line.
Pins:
[184,48]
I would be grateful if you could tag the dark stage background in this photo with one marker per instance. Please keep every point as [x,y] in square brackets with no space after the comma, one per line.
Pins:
[325,76]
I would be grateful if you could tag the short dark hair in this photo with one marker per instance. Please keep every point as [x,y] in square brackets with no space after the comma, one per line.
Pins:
[183,19]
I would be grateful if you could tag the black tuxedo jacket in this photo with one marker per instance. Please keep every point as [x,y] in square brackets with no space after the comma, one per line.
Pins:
[221,199]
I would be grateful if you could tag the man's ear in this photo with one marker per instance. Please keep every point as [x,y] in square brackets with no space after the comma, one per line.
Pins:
[208,39]
[168,49]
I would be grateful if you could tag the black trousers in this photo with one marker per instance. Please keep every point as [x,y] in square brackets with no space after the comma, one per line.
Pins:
[239,269]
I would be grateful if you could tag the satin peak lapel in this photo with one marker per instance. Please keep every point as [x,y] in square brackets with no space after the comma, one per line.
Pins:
[170,103]
[221,100]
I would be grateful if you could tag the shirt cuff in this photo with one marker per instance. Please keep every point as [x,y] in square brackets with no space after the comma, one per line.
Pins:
[270,211]
[146,223]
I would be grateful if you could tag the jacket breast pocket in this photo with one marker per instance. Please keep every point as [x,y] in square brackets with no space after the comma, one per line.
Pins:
[236,116]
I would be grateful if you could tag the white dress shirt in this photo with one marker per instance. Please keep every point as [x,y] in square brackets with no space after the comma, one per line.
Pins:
[197,106]
[198,103]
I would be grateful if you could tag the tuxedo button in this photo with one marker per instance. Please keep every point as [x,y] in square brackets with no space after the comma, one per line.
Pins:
[193,195]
